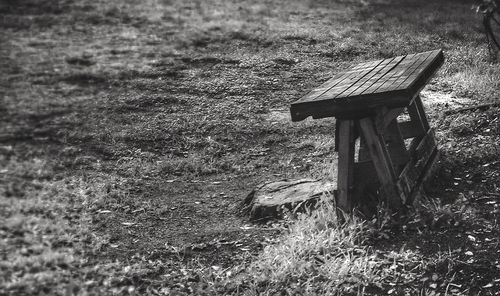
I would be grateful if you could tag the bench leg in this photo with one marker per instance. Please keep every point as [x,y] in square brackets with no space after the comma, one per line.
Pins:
[346,143]
[381,161]
[421,112]
[396,146]
[417,116]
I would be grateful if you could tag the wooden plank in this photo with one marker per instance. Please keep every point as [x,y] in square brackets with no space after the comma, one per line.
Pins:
[421,112]
[408,62]
[396,146]
[416,68]
[345,165]
[411,176]
[392,114]
[379,76]
[329,103]
[335,80]
[332,82]
[348,81]
[381,160]
[366,184]
[404,73]
[409,129]
[427,143]
[417,118]
[382,67]
[363,153]
[419,159]
[392,74]
[420,70]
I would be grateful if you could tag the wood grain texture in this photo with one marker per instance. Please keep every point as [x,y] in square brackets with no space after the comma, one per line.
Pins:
[349,80]
[345,165]
[421,112]
[368,81]
[338,79]
[354,93]
[381,161]
[417,166]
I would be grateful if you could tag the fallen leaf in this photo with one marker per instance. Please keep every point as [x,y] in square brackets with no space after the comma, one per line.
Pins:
[469,253]
[488,285]
[471,238]
[128,223]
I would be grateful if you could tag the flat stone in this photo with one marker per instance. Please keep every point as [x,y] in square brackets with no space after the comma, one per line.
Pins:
[271,200]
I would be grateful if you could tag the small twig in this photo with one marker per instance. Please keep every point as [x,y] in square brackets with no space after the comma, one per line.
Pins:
[450,284]
[492,193]
[487,196]
[482,198]
[472,108]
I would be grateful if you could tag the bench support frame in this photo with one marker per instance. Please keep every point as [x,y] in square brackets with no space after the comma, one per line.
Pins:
[400,169]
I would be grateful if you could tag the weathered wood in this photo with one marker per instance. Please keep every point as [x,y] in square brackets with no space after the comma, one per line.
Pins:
[375,74]
[421,112]
[352,94]
[417,119]
[381,160]
[421,71]
[392,114]
[416,167]
[410,129]
[396,146]
[373,79]
[409,71]
[363,153]
[273,199]
[364,195]
[335,80]
[345,165]
[368,99]
[406,62]
[350,80]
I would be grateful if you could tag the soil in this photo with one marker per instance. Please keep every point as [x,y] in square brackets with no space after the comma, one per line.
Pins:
[177,123]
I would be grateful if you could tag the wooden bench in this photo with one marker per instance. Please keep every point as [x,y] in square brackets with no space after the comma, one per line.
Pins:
[369,102]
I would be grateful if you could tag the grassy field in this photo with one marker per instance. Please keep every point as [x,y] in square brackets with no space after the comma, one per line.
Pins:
[131,130]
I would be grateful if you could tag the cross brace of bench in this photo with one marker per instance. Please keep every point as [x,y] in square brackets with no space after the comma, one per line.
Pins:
[382,152]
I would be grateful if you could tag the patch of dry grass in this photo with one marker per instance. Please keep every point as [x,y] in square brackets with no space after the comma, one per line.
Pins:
[318,256]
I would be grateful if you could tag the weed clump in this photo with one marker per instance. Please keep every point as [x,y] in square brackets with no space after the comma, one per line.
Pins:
[320,255]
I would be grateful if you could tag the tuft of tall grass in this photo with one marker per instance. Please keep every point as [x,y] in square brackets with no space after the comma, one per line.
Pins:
[320,255]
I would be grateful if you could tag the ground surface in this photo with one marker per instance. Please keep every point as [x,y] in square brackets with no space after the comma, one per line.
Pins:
[131,130]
